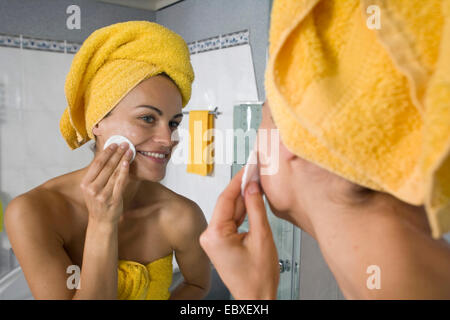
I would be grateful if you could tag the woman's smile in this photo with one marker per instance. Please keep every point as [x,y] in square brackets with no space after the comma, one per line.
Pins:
[157,157]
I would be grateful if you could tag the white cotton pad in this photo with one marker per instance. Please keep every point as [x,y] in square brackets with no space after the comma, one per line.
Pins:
[251,172]
[119,139]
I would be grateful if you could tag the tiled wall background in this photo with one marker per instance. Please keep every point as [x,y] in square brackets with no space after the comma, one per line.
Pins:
[31,148]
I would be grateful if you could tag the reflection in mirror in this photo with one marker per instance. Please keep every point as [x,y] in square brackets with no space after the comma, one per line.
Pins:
[40,173]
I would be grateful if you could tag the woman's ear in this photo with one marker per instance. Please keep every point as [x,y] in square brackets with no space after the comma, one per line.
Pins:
[95,130]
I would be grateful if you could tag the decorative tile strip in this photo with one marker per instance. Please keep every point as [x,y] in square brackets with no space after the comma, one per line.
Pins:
[208,44]
[234,39]
[42,44]
[73,47]
[9,41]
[220,42]
[38,44]
[214,43]
[192,47]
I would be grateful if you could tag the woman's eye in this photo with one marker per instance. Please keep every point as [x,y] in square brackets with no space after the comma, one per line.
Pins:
[150,117]
[174,124]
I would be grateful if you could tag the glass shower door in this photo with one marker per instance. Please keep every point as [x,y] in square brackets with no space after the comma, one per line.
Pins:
[247,117]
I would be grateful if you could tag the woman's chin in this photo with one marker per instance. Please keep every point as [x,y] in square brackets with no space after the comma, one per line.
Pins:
[149,176]
[154,177]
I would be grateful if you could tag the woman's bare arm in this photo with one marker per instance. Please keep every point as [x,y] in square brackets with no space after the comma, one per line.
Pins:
[38,248]
[41,254]
[184,233]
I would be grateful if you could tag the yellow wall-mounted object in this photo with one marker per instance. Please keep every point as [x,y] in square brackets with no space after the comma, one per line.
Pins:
[201,139]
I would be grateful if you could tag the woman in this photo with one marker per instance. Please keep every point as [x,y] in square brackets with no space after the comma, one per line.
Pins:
[328,71]
[113,219]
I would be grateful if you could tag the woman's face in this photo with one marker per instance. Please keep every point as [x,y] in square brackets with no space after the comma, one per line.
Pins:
[148,116]
[276,184]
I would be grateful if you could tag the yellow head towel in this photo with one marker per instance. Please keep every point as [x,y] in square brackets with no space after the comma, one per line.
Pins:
[371,105]
[111,62]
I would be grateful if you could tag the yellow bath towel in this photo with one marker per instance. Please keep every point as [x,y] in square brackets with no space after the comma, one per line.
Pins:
[145,282]
[362,89]
[201,139]
[111,62]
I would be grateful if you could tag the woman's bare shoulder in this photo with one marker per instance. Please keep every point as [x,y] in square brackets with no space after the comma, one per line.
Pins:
[178,210]
[32,213]
[176,201]
[45,203]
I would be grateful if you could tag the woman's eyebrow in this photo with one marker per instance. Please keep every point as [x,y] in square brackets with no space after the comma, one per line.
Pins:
[157,110]
[151,107]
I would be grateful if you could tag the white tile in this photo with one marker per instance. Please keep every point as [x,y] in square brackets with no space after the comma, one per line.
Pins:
[12,182]
[40,135]
[11,76]
[37,175]
[45,146]
[45,74]
[12,143]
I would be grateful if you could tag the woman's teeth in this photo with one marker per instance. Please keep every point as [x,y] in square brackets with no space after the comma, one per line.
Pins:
[153,154]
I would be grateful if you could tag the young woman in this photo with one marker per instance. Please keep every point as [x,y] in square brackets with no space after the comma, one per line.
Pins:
[113,219]
[362,111]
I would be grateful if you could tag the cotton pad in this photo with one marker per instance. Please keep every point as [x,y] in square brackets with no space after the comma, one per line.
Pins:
[251,172]
[119,139]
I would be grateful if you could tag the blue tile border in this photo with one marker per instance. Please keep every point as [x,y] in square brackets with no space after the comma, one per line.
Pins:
[220,42]
[73,47]
[14,41]
[9,41]
[235,39]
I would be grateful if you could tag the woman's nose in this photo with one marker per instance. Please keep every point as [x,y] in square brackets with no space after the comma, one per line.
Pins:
[164,137]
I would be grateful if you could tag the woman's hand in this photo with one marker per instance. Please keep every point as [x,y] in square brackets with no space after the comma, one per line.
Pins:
[246,262]
[104,183]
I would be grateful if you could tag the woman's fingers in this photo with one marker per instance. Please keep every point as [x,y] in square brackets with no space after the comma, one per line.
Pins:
[109,168]
[122,175]
[240,211]
[111,185]
[224,210]
[234,254]
[98,163]
[257,217]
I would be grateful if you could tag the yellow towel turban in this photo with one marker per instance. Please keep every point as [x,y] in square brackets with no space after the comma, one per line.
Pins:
[371,105]
[111,62]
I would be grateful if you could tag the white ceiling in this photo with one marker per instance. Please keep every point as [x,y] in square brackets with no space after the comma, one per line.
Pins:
[152,5]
